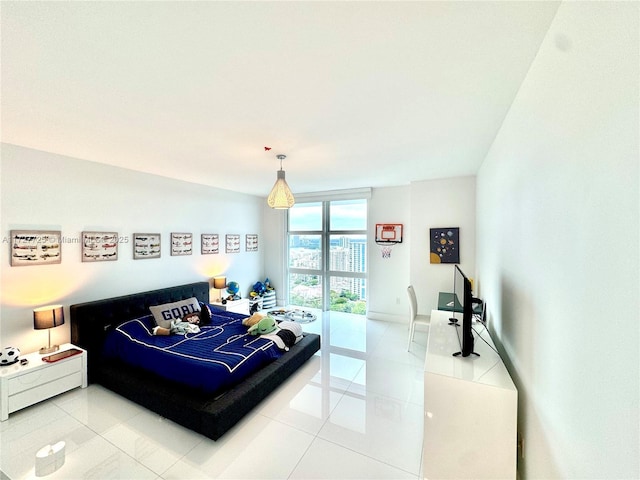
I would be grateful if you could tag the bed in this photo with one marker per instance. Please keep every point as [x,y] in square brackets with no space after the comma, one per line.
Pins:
[209,413]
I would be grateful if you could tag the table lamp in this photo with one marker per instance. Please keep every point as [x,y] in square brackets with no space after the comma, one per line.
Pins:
[219,283]
[47,318]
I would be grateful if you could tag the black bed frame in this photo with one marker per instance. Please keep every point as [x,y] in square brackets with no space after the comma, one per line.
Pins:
[208,415]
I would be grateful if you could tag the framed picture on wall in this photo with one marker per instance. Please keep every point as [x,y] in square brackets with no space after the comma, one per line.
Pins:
[146,245]
[35,247]
[445,245]
[251,243]
[232,243]
[99,246]
[209,243]
[181,243]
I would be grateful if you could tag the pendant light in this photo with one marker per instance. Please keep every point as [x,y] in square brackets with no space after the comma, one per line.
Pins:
[281,196]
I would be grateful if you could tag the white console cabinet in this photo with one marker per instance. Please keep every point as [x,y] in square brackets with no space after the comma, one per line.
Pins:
[470,408]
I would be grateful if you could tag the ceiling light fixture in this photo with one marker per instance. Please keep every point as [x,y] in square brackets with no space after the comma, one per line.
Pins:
[281,196]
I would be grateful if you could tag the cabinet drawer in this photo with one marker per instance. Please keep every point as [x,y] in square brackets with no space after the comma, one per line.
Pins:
[44,391]
[244,309]
[239,306]
[44,375]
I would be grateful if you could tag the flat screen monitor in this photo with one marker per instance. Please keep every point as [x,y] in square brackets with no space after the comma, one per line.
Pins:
[463,301]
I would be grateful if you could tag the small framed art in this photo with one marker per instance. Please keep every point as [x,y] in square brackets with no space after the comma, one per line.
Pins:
[181,243]
[35,247]
[146,245]
[209,243]
[99,246]
[251,243]
[232,243]
[445,245]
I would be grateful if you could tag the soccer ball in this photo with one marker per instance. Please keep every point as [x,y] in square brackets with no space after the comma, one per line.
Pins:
[9,355]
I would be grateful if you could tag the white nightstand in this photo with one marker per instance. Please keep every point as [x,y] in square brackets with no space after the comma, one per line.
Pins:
[24,385]
[237,306]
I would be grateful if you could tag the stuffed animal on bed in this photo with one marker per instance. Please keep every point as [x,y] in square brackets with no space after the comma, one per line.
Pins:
[283,334]
[188,324]
[253,319]
[264,326]
[286,335]
[205,314]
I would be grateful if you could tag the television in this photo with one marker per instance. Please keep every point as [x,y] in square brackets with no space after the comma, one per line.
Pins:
[463,303]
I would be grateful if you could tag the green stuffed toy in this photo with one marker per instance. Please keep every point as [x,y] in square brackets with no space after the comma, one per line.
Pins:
[253,319]
[264,326]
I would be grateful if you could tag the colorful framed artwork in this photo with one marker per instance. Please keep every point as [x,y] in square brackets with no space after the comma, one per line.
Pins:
[232,243]
[209,243]
[35,247]
[99,246]
[445,245]
[181,243]
[146,245]
[251,243]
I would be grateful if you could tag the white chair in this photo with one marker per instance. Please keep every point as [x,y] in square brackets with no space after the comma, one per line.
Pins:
[414,317]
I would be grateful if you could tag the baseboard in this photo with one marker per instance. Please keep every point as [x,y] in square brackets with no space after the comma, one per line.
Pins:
[388,317]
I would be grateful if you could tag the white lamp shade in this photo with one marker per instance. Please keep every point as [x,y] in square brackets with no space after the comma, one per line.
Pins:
[281,196]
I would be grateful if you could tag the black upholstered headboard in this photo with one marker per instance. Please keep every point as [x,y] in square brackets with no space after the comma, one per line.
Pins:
[91,321]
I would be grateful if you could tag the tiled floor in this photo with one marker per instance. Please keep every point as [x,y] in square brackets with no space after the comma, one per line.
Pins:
[353,411]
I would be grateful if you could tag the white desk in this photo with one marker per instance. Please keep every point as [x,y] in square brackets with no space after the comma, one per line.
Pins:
[470,408]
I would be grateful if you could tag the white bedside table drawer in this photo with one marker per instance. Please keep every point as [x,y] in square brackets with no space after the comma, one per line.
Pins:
[44,391]
[236,306]
[41,376]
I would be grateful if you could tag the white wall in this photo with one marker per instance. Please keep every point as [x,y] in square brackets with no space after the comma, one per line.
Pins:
[558,237]
[43,191]
[388,277]
[449,202]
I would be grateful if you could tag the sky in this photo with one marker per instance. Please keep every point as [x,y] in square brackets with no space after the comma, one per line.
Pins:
[345,215]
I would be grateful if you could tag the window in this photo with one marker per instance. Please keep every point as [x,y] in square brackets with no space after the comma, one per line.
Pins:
[327,255]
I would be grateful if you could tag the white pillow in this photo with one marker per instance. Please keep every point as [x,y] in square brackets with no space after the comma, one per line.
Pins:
[166,313]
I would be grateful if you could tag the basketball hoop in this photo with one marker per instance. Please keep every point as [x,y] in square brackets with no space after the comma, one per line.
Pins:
[386,251]
[385,248]
[388,235]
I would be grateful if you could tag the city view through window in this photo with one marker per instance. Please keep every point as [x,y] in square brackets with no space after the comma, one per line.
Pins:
[335,281]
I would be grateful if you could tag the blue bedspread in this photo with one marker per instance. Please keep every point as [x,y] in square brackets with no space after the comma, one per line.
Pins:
[222,354]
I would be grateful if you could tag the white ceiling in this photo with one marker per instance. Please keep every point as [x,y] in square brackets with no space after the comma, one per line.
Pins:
[356,94]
